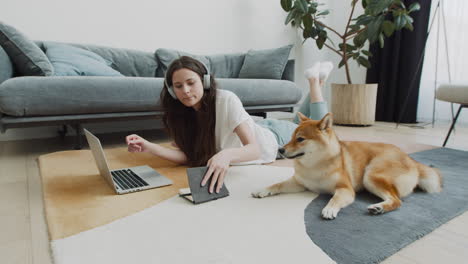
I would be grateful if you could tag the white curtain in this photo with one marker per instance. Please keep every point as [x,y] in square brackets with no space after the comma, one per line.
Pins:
[456,29]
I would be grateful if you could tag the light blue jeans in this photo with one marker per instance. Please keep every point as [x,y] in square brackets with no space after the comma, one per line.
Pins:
[283,129]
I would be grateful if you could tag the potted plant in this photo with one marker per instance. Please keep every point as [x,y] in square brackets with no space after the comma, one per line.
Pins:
[352,104]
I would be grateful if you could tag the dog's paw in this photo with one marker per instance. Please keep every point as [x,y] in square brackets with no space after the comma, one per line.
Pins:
[262,193]
[375,209]
[330,213]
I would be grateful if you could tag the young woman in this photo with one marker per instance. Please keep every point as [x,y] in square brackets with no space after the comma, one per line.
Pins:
[211,128]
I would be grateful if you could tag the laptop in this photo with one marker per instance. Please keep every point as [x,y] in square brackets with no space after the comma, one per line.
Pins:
[124,180]
[199,194]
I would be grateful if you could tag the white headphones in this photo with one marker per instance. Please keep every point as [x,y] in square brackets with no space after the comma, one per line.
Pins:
[206,80]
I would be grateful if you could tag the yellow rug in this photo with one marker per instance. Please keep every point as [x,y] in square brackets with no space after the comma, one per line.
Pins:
[77,198]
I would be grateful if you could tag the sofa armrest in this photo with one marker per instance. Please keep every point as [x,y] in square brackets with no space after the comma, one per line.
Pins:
[288,73]
[6,66]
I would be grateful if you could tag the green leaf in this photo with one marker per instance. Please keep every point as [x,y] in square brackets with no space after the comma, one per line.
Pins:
[289,17]
[409,19]
[301,6]
[355,27]
[364,62]
[388,28]
[314,32]
[399,23]
[321,41]
[307,22]
[298,19]
[360,39]
[375,7]
[312,10]
[400,3]
[364,20]
[323,34]
[314,4]
[374,28]
[349,47]
[364,3]
[367,53]
[342,62]
[381,40]
[323,13]
[306,34]
[286,5]
[409,26]
[414,7]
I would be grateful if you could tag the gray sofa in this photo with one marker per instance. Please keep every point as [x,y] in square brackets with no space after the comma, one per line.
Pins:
[27,101]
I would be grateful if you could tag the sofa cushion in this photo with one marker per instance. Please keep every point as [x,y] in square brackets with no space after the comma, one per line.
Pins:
[72,61]
[39,96]
[220,65]
[256,92]
[6,68]
[28,59]
[42,96]
[132,63]
[265,64]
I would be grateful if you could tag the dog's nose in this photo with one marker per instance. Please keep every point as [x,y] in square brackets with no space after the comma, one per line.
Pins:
[281,150]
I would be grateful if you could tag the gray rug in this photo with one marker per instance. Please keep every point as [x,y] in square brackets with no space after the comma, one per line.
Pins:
[358,237]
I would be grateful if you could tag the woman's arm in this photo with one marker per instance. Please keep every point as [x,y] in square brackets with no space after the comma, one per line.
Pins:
[138,144]
[250,149]
[220,162]
[174,155]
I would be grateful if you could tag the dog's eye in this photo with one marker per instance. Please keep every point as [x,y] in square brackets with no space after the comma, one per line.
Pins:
[300,139]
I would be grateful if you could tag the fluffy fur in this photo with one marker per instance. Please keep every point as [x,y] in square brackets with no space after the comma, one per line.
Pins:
[324,164]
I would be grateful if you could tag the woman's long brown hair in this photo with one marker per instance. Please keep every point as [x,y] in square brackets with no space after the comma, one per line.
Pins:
[193,131]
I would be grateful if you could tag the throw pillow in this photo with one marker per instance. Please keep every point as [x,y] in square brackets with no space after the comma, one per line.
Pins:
[166,56]
[72,61]
[265,64]
[27,57]
[220,65]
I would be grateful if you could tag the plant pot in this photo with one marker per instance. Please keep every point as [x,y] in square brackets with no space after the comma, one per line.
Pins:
[354,104]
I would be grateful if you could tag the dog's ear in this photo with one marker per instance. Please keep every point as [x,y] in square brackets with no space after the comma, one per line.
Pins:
[302,117]
[326,121]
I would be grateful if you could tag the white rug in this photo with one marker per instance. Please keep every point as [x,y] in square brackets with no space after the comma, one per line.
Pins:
[236,229]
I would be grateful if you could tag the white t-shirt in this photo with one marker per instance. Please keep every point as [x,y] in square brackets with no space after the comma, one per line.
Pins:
[229,114]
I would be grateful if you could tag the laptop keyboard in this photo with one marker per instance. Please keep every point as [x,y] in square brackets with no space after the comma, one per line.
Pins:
[127,179]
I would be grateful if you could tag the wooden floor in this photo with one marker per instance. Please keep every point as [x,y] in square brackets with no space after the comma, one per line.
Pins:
[23,232]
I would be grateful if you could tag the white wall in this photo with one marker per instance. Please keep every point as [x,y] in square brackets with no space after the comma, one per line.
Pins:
[457,39]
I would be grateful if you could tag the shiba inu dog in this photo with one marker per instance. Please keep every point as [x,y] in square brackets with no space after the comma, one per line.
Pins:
[324,164]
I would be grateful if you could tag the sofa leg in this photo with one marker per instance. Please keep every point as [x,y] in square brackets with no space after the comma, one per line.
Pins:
[63,132]
[78,142]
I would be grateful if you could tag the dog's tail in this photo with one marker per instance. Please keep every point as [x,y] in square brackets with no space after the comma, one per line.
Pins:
[430,179]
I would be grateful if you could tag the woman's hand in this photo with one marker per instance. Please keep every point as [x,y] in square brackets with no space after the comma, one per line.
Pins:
[136,143]
[217,168]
